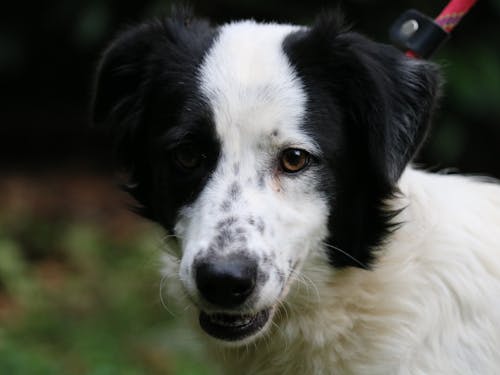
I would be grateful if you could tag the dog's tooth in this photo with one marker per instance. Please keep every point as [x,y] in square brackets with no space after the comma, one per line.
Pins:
[230,320]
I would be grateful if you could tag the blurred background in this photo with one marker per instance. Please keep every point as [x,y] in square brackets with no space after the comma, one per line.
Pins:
[79,280]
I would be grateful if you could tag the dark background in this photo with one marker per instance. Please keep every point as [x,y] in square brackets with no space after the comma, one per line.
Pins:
[80,290]
[48,52]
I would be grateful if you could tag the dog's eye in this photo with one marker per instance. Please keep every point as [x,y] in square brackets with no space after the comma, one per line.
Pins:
[293,160]
[187,156]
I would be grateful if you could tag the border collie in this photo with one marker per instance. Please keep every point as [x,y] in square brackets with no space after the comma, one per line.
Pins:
[277,156]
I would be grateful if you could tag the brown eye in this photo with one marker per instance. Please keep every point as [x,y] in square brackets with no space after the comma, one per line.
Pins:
[293,160]
[187,156]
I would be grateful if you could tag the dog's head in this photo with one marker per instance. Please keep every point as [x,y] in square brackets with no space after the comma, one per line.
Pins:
[260,146]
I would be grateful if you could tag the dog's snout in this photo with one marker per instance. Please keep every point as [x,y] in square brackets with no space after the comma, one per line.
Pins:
[226,282]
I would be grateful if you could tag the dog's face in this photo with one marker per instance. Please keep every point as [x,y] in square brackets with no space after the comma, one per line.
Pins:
[262,208]
[260,146]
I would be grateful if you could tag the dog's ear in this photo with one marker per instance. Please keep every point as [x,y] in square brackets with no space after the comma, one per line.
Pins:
[155,55]
[122,73]
[122,82]
[380,104]
[143,81]
[390,103]
[385,97]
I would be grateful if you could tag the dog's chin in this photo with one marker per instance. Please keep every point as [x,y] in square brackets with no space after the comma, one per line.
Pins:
[235,329]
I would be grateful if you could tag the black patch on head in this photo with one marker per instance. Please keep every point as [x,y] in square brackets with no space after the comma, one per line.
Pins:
[147,93]
[368,109]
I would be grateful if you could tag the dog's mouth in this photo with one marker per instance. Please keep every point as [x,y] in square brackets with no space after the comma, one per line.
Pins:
[233,327]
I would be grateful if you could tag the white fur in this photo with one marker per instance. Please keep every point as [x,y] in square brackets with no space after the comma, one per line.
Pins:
[431,305]
[252,95]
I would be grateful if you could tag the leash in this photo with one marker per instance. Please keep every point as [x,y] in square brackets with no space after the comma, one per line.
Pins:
[420,36]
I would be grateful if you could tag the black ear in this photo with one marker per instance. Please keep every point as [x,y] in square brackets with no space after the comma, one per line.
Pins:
[378,106]
[143,82]
[158,53]
[390,105]
[123,73]
[122,83]
[385,97]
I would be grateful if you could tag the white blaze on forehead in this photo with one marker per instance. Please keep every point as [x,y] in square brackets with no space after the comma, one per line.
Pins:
[250,84]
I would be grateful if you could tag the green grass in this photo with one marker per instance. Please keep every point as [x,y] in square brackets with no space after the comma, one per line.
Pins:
[76,299]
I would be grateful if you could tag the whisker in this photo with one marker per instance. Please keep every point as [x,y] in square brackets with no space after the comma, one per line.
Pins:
[169,247]
[346,254]
[284,309]
[279,328]
[162,298]
[267,339]
[306,281]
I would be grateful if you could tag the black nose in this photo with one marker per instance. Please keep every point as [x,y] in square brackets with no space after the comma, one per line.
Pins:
[226,282]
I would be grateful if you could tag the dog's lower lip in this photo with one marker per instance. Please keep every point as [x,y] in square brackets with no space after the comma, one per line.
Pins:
[233,327]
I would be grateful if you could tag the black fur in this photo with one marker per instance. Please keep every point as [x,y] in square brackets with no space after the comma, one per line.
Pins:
[147,91]
[369,108]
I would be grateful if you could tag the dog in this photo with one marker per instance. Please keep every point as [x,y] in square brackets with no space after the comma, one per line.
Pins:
[278,157]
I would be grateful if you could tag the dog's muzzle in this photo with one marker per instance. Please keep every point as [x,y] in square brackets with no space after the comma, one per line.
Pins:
[227,283]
